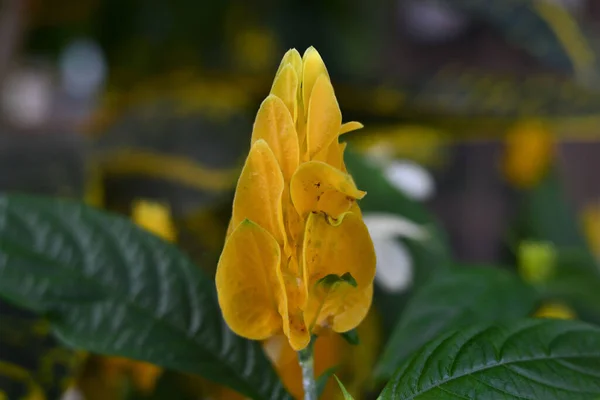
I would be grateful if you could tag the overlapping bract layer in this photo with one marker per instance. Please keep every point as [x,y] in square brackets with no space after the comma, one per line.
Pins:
[295,220]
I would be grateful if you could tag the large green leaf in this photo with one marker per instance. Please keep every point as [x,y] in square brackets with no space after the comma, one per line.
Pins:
[459,297]
[110,287]
[526,359]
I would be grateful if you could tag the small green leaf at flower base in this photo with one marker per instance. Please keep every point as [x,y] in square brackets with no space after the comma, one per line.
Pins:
[324,378]
[351,337]
[333,279]
[347,396]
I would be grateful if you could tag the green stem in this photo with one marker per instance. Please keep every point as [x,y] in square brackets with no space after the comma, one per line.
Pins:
[305,358]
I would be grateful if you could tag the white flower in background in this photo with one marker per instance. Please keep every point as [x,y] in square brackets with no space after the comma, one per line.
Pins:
[72,394]
[432,21]
[394,263]
[411,179]
[82,68]
[27,97]
[407,176]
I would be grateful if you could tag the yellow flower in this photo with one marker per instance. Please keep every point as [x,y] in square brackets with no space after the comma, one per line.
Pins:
[298,256]
[556,311]
[154,217]
[528,155]
[143,375]
[591,226]
[536,261]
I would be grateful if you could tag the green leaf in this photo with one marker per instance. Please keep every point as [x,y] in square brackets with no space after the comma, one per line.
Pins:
[333,279]
[548,216]
[458,298]
[575,283]
[323,379]
[527,359]
[351,337]
[347,395]
[110,287]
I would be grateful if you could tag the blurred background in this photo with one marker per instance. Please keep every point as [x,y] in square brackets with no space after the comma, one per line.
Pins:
[482,118]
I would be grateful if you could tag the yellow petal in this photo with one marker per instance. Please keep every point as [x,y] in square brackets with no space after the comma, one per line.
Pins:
[341,308]
[332,154]
[248,288]
[330,249]
[293,221]
[354,308]
[319,187]
[341,249]
[312,67]
[259,192]
[343,151]
[324,117]
[291,57]
[294,325]
[291,308]
[274,125]
[285,87]
[350,126]
[301,129]
[356,209]
[229,228]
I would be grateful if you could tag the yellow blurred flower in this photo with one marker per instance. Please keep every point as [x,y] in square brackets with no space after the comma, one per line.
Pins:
[154,217]
[254,48]
[528,153]
[298,256]
[591,226]
[555,310]
[536,261]
[143,375]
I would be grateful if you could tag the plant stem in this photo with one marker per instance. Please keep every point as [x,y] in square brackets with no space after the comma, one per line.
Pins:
[305,358]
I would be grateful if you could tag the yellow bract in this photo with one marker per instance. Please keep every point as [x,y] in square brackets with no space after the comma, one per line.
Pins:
[247,269]
[529,154]
[298,257]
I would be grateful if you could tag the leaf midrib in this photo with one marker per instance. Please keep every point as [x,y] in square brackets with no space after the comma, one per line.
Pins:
[449,379]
